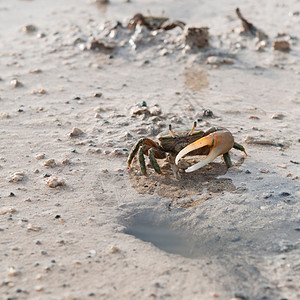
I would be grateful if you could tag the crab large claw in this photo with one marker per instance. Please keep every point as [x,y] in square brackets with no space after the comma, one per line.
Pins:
[220,142]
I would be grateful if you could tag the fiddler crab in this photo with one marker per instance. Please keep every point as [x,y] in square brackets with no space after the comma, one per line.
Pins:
[173,146]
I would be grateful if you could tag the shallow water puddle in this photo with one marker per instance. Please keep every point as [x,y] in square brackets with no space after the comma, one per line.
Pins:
[176,235]
[191,237]
[163,237]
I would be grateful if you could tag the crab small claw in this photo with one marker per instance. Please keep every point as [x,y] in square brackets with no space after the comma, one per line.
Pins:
[220,142]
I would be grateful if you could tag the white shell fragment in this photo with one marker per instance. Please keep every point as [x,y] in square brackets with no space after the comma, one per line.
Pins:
[12,271]
[31,227]
[16,176]
[54,181]
[15,83]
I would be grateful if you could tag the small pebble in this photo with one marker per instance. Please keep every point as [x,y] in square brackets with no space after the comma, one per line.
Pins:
[5,115]
[54,181]
[42,91]
[118,153]
[284,194]
[97,95]
[207,113]
[282,166]
[267,195]
[264,171]
[163,52]
[40,156]
[278,116]
[35,71]
[29,28]
[40,35]
[13,272]
[15,83]
[114,249]
[261,45]
[76,132]
[38,288]
[50,163]
[65,161]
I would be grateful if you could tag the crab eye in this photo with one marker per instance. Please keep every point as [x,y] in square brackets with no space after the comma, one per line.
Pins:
[193,128]
[172,132]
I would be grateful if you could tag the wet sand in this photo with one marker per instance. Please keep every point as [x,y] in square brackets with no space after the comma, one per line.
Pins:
[75,223]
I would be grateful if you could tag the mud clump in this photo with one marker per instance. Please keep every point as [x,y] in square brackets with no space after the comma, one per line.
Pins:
[281,45]
[153,23]
[101,46]
[197,37]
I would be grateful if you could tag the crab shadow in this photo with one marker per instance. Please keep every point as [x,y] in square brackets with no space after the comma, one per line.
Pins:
[193,188]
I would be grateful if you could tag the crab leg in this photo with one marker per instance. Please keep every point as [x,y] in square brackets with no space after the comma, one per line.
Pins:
[153,162]
[193,128]
[220,142]
[171,131]
[227,160]
[135,148]
[142,160]
[239,147]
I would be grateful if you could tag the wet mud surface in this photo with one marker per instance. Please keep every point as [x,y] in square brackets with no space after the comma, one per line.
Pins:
[78,88]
